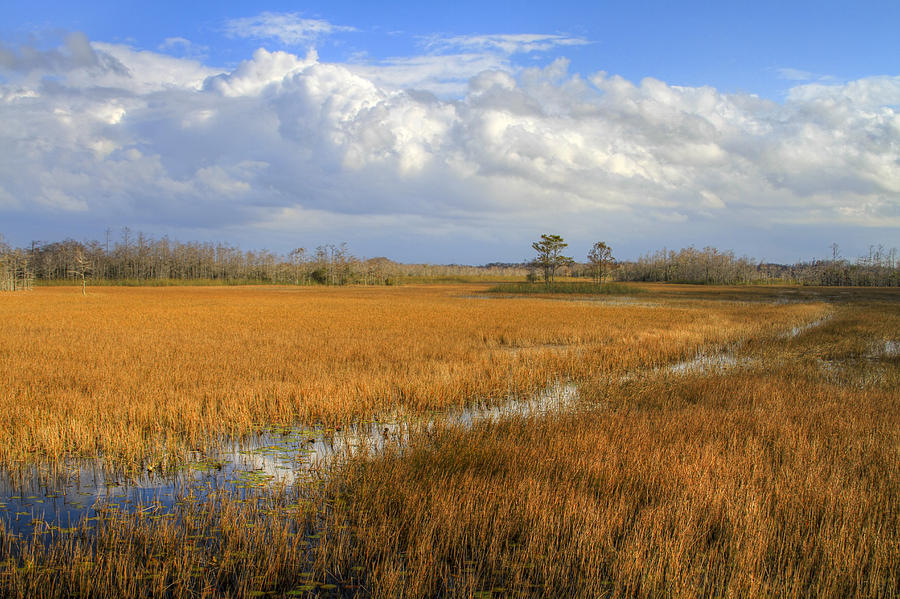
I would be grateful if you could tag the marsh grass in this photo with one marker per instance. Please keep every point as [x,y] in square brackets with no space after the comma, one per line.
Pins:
[777,477]
[139,375]
[775,480]
[218,544]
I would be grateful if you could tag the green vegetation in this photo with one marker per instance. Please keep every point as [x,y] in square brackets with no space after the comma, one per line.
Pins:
[549,257]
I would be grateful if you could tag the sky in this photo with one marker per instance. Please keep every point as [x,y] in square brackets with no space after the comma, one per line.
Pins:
[455,132]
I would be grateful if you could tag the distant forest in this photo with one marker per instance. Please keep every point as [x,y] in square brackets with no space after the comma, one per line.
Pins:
[135,258]
[879,268]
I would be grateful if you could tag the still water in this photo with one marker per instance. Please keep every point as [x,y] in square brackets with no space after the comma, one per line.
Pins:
[41,498]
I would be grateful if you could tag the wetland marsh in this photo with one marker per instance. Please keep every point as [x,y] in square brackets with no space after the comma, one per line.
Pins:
[437,441]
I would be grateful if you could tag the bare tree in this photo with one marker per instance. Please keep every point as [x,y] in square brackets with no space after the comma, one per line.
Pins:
[15,271]
[297,260]
[82,268]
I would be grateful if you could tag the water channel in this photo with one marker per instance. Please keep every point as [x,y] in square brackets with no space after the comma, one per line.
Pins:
[34,498]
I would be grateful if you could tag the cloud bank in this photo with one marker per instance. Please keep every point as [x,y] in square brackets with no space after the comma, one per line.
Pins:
[286,145]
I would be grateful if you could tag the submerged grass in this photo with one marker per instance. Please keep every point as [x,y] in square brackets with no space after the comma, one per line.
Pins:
[775,477]
[223,545]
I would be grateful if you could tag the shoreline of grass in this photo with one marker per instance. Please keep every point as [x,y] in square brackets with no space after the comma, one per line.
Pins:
[566,288]
[389,282]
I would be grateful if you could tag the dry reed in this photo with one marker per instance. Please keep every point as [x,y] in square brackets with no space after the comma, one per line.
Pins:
[775,478]
[139,374]
[775,475]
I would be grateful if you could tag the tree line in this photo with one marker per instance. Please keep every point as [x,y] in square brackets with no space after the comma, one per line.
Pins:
[139,258]
[15,273]
[879,268]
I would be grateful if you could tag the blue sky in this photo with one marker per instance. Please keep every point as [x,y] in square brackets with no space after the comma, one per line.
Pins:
[458,132]
[733,46]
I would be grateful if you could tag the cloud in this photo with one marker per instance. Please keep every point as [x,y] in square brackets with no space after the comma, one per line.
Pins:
[284,143]
[288,28]
[506,44]
[76,53]
[870,92]
[254,75]
[790,74]
[142,71]
[796,74]
[180,46]
[175,43]
[450,62]
[446,75]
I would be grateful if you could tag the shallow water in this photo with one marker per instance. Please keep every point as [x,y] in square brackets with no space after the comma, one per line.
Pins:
[797,330]
[705,363]
[889,349]
[37,498]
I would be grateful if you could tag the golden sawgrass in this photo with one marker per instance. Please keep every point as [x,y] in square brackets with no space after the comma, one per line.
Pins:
[141,373]
[777,477]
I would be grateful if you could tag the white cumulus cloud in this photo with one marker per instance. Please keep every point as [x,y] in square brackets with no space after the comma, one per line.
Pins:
[285,142]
